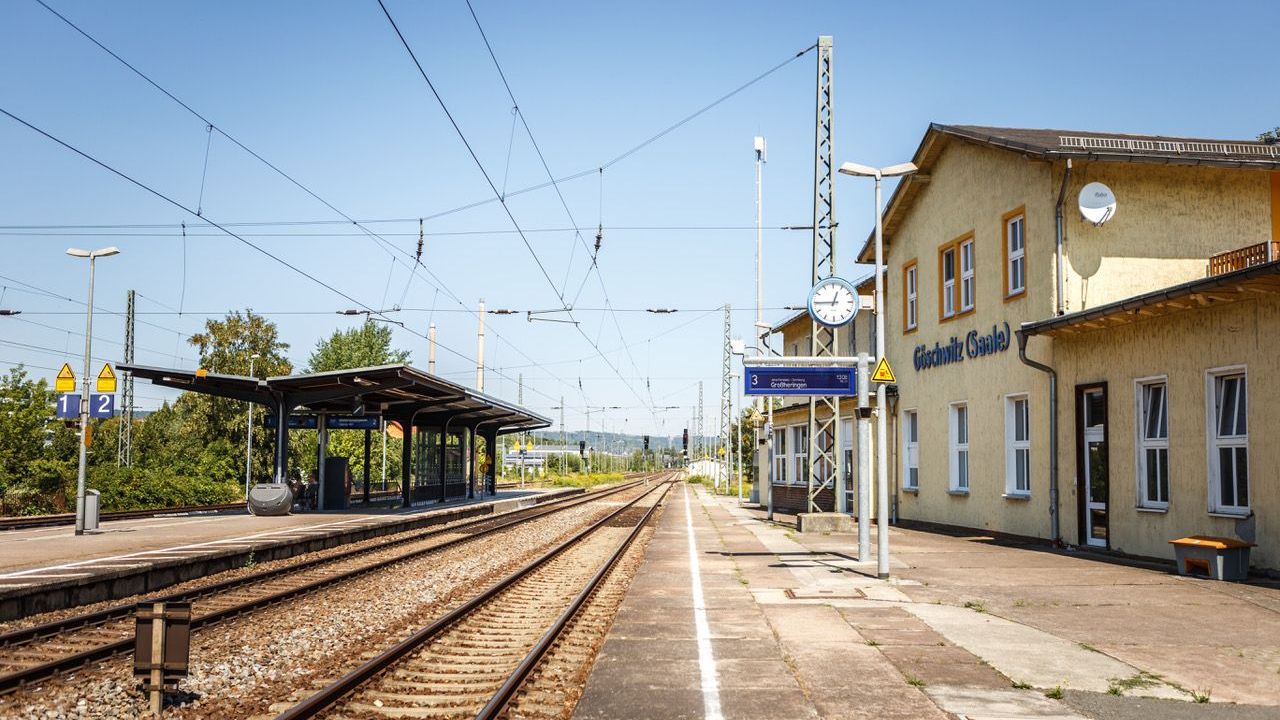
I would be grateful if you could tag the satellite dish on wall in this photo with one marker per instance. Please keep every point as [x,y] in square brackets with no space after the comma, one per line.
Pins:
[1097,203]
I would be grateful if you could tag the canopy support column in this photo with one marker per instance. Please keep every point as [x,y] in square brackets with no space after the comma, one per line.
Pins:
[471,462]
[406,459]
[282,409]
[368,444]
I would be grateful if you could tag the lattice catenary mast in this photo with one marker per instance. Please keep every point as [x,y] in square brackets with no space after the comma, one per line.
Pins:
[825,460]
[726,387]
[124,444]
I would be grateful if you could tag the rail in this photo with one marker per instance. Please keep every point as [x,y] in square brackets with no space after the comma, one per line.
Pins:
[333,693]
[21,640]
[24,522]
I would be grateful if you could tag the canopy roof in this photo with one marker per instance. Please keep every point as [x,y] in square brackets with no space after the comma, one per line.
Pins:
[399,392]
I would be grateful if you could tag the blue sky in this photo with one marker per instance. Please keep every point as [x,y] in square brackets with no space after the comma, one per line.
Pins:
[325,91]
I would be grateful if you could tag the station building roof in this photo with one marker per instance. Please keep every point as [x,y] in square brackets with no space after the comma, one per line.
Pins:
[1203,292]
[1050,145]
[396,391]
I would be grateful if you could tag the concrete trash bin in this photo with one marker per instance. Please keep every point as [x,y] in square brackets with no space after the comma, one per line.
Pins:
[92,509]
[1214,557]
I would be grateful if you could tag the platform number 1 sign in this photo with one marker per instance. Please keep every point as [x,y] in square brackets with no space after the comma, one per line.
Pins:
[69,406]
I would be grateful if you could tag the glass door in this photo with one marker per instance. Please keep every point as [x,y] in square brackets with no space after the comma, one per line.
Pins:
[1093,444]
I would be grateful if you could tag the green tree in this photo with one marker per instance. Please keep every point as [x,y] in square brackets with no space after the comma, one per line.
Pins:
[1270,136]
[219,425]
[366,346]
[32,477]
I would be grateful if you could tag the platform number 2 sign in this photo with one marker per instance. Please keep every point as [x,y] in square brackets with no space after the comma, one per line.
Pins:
[102,405]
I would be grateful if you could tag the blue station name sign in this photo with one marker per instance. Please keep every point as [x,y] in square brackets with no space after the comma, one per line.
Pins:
[974,345]
[332,422]
[821,381]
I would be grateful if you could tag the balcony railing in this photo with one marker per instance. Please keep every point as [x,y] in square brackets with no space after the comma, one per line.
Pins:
[1241,258]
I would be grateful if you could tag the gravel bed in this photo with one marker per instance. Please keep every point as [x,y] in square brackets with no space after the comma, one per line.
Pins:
[241,667]
[195,583]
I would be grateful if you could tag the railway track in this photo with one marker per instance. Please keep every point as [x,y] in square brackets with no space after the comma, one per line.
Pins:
[26,522]
[41,651]
[472,661]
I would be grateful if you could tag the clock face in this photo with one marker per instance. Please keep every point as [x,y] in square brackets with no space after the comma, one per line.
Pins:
[833,302]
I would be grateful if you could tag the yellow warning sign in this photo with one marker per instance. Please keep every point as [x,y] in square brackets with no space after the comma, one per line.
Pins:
[66,380]
[883,372]
[106,379]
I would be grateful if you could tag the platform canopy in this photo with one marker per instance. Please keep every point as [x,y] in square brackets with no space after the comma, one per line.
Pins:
[399,392]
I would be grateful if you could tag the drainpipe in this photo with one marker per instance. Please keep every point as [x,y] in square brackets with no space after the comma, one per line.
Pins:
[1054,524]
[1061,232]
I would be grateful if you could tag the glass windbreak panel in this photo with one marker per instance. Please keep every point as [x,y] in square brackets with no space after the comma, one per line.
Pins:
[1098,525]
[1097,472]
[1095,409]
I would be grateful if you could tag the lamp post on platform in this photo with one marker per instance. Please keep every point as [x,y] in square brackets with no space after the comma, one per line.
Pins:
[882,420]
[93,256]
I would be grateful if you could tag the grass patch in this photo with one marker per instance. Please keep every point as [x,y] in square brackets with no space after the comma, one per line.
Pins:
[1020,602]
[1019,685]
[1143,679]
[873,643]
[976,606]
[1090,648]
[1054,693]
[581,480]
[1201,696]
[913,681]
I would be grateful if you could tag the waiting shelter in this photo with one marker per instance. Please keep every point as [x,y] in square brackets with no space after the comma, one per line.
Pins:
[441,420]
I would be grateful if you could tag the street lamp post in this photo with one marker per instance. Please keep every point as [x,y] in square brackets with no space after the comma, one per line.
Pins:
[882,420]
[93,256]
[248,446]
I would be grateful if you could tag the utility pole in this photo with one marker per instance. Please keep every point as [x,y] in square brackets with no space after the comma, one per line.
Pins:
[248,445]
[521,438]
[825,458]
[82,470]
[726,387]
[480,349]
[124,446]
[431,345]
[564,440]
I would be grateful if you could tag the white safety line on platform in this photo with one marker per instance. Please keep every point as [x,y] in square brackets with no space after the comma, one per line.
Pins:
[161,553]
[706,660]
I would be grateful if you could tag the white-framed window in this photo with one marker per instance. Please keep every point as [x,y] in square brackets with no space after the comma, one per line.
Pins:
[949,282]
[966,275]
[1015,237]
[1152,458]
[959,447]
[1017,445]
[913,296]
[800,454]
[1227,394]
[911,449]
[780,456]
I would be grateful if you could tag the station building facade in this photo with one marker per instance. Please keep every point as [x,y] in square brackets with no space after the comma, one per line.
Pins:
[1160,329]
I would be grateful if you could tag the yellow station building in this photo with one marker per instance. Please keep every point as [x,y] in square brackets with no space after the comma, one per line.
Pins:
[1100,385]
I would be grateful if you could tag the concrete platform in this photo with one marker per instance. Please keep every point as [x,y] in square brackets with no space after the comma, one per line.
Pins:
[44,569]
[734,617]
